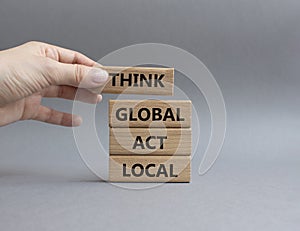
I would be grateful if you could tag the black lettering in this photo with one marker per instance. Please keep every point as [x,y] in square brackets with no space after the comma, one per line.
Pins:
[178,115]
[131,117]
[135,82]
[148,142]
[161,141]
[123,79]
[144,79]
[162,170]
[147,114]
[147,170]
[113,83]
[138,143]
[121,116]
[138,80]
[169,115]
[172,171]
[133,170]
[157,80]
[156,114]
[124,171]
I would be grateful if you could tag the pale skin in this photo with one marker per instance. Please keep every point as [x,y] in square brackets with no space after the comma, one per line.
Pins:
[35,70]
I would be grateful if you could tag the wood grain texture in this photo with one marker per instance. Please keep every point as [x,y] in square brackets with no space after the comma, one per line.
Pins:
[138,80]
[149,168]
[150,113]
[150,141]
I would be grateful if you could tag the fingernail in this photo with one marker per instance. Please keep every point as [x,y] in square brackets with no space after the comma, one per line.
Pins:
[99,98]
[77,121]
[99,75]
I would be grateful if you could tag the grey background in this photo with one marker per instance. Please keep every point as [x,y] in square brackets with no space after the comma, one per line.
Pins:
[251,47]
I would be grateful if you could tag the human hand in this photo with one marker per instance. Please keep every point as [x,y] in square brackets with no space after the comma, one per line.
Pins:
[35,70]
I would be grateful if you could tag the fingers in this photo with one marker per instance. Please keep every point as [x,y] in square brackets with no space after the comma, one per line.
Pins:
[75,75]
[64,55]
[60,54]
[72,93]
[62,66]
[52,116]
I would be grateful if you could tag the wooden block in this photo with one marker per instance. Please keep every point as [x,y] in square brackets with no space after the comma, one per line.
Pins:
[150,113]
[138,80]
[149,168]
[150,141]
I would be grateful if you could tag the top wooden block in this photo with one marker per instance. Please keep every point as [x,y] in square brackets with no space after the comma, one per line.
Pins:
[150,113]
[138,80]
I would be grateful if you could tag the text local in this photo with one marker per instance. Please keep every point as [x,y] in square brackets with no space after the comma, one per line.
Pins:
[139,170]
[144,114]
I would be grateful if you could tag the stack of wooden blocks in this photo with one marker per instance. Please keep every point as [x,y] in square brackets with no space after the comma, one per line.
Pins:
[150,140]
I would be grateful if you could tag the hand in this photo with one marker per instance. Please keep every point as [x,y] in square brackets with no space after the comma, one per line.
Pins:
[35,70]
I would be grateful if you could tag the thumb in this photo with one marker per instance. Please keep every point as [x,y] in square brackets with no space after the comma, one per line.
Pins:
[79,75]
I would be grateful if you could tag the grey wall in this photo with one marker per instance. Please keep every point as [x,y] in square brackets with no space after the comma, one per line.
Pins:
[251,47]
